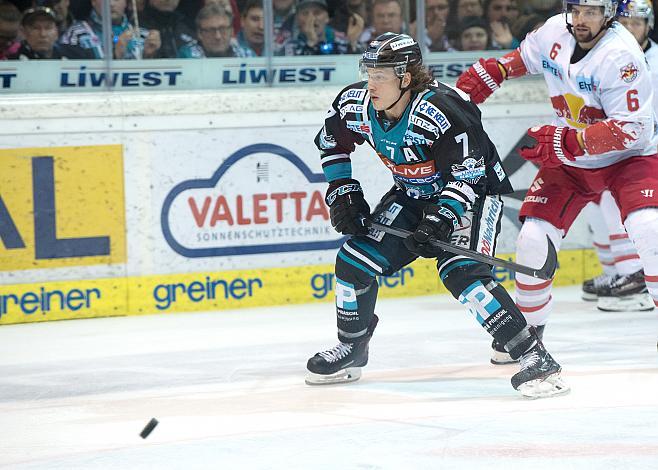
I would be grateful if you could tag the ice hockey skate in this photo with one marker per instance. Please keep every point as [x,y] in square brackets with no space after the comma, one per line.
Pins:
[342,363]
[500,357]
[539,376]
[626,294]
[593,288]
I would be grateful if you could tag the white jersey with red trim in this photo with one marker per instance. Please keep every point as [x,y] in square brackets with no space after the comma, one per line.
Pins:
[610,86]
[652,59]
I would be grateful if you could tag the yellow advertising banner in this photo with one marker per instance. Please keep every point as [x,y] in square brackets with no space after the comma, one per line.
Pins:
[61,207]
[232,290]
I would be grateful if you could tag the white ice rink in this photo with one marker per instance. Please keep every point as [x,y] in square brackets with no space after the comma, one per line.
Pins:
[228,389]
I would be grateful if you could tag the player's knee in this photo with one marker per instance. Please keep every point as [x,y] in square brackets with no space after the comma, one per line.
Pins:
[352,273]
[642,227]
[458,278]
[533,235]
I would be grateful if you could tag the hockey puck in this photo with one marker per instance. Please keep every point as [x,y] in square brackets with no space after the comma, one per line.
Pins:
[148,428]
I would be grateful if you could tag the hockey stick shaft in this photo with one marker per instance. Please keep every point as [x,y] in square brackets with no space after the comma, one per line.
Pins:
[546,272]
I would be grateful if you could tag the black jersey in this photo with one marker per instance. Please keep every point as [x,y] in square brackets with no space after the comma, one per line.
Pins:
[437,150]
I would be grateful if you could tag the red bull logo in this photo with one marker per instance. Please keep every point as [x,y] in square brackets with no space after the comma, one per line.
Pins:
[561,106]
[572,108]
[628,72]
[590,115]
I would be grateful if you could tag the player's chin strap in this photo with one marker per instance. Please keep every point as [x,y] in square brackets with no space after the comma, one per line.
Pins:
[403,90]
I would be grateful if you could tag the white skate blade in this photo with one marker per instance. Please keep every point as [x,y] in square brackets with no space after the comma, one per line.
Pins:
[629,303]
[501,358]
[351,374]
[551,386]
[589,297]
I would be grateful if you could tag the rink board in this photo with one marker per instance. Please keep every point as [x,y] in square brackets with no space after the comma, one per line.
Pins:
[129,204]
[226,290]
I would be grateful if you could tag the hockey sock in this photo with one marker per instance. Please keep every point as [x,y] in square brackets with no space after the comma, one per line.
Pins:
[600,237]
[533,296]
[624,254]
[354,309]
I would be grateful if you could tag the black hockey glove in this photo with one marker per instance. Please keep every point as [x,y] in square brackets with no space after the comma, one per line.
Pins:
[437,223]
[347,207]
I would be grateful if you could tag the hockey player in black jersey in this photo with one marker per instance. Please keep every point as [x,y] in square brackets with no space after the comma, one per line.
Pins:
[448,179]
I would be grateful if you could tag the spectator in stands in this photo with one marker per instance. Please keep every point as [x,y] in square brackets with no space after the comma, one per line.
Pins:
[252,35]
[140,4]
[460,9]
[436,19]
[127,43]
[284,11]
[39,28]
[474,35]
[526,23]
[61,8]
[10,20]
[215,33]
[312,34]
[544,8]
[386,17]
[228,5]
[174,30]
[500,14]
[349,18]
[79,9]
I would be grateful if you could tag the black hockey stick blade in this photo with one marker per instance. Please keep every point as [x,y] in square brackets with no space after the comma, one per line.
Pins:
[546,272]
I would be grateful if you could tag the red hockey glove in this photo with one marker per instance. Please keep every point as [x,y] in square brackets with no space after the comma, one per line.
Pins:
[481,80]
[555,146]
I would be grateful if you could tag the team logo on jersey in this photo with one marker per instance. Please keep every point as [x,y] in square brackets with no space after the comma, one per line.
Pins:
[470,170]
[327,141]
[362,127]
[629,72]
[572,108]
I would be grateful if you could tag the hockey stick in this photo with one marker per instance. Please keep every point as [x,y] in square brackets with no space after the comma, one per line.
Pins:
[546,272]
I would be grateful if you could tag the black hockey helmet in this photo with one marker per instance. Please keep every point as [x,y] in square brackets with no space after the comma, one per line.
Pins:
[391,50]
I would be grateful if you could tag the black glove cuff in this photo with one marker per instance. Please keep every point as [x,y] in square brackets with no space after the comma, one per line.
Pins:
[341,187]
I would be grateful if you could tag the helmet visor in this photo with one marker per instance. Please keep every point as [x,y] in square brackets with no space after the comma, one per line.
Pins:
[380,73]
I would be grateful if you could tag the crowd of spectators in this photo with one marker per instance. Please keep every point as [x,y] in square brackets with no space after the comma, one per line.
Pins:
[54,29]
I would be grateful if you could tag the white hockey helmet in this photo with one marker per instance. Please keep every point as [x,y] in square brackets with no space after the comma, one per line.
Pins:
[636,9]
[609,6]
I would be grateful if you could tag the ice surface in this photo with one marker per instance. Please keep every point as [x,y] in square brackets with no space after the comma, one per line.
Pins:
[228,389]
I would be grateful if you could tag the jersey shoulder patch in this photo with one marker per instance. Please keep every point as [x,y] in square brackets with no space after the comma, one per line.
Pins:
[426,115]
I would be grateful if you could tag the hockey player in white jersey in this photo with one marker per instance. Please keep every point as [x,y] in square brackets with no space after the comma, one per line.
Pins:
[603,136]
[621,287]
